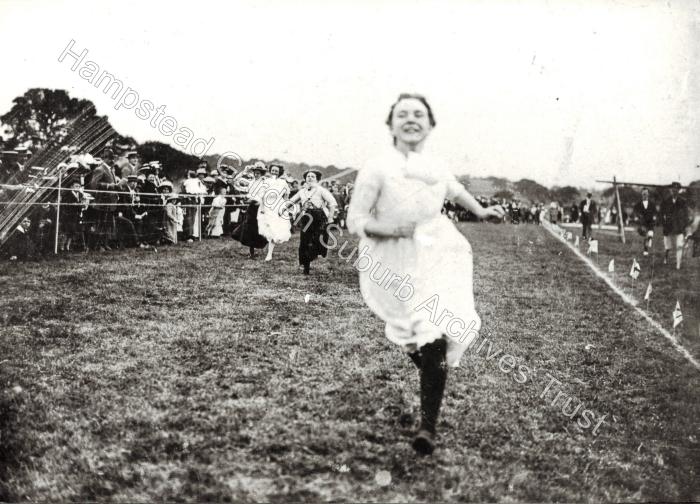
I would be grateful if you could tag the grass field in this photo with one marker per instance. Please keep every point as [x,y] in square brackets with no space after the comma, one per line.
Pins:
[193,374]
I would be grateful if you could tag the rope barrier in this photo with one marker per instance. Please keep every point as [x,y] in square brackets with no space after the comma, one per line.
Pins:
[141,205]
[102,191]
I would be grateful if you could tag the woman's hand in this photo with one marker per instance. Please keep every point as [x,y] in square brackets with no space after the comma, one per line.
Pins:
[493,211]
[378,229]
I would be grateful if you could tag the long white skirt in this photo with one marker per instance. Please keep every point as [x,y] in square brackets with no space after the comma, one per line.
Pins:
[276,228]
[437,264]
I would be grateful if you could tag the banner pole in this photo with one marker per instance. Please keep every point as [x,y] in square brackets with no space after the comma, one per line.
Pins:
[58,212]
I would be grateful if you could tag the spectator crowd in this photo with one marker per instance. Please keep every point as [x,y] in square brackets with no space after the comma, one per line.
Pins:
[118,201]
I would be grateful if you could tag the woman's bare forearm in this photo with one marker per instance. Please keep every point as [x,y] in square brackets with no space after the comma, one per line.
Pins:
[470,203]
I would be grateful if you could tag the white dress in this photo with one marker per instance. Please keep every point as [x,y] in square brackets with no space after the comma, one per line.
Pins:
[436,262]
[216,216]
[273,220]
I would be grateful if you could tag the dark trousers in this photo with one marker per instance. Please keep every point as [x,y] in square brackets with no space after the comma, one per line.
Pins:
[104,229]
[587,223]
[126,232]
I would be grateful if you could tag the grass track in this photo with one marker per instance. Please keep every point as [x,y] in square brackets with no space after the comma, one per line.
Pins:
[196,375]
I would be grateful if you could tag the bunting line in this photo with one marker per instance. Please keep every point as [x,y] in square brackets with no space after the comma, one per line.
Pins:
[628,300]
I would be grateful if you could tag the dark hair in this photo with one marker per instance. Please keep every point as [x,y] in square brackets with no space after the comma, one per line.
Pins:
[280,168]
[420,98]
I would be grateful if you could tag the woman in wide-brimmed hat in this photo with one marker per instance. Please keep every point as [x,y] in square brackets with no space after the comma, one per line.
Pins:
[247,231]
[273,222]
[396,210]
[317,205]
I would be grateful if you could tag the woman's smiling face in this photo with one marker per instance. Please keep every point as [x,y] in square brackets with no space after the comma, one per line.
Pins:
[410,123]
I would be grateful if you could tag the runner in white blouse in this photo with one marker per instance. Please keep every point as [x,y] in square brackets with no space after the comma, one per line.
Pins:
[418,275]
[317,206]
[273,222]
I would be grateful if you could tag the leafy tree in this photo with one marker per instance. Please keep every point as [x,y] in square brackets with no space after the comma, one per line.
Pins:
[532,190]
[499,182]
[175,162]
[629,196]
[566,195]
[40,114]
[503,194]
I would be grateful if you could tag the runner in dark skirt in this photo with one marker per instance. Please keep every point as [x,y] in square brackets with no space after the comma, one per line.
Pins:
[313,237]
[247,231]
[313,220]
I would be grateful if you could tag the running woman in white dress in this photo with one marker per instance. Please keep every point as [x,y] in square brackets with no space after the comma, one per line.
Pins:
[415,266]
[273,222]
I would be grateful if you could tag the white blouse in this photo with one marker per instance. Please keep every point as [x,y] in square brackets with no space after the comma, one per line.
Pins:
[318,196]
[401,190]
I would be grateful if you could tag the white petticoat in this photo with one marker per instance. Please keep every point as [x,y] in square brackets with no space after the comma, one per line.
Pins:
[274,227]
[437,263]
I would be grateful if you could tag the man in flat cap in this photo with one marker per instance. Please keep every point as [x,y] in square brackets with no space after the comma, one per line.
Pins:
[133,165]
[120,159]
[674,222]
[14,166]
[23,155]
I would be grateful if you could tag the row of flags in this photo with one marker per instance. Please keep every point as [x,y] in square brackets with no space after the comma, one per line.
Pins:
[635,270]
[634,273]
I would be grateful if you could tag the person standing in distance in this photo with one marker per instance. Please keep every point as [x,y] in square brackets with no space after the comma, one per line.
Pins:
[674,221]
[646,213]
[588,210]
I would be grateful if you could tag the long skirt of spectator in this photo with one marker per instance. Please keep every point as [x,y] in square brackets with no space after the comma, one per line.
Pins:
[314,234]
[90,227]
[192,225]
[105,227]
[72,234]
[215,226]
[126,232]
[149,231]
[247,231]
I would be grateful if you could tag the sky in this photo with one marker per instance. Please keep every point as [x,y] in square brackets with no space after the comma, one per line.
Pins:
[564,92]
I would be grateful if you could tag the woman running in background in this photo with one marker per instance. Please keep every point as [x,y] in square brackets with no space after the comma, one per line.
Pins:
[247,231]
[317,205]
[273,223]
[396,210]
